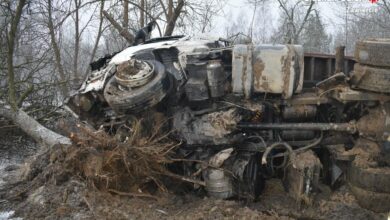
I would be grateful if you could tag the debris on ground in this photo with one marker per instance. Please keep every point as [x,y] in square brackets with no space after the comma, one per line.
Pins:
[97,177]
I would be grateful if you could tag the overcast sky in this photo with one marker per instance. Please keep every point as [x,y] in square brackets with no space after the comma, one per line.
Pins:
[332,11]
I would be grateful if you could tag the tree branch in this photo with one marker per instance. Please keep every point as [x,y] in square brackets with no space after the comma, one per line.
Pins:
[304,20]
[123,32]
[173,18]
[24,95]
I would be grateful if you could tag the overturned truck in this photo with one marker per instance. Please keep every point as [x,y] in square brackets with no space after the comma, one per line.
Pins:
[252,112]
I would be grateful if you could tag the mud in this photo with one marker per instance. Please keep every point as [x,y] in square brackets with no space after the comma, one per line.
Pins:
[258,68]
[74,200]
[15,147]
[365,153]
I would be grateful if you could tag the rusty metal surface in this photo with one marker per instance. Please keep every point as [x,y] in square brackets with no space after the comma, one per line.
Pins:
[293,135]
[242,70]
[345,127]
[299,112]
[133,73]
[371,78]
[302,177]
[373,52]
[276,69]
[213,128]
[376,124]
[347,95]
[320,66]
[307,98]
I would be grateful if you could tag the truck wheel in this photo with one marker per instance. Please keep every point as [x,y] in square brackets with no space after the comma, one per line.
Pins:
[376,179]
[139,98]
[377,202]
[371,78]
[374,52]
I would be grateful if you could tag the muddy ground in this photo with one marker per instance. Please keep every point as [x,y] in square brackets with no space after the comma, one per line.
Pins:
[73,198]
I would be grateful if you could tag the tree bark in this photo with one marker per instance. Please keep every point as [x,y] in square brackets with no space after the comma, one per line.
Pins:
[76,76]
[123,32]
[173,15]
[126,14]
[142,14]
[10,61]
[31,127]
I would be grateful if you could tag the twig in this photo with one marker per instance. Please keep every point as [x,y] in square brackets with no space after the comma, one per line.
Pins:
[132,194]
[185,179]
[89,206]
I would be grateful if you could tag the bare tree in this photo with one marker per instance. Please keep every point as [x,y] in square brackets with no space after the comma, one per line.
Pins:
[57,52]
[98,34]
[14,113]
[77,37]
[363,24]
[292,22]
[172,15]
[236,30]
[314,37]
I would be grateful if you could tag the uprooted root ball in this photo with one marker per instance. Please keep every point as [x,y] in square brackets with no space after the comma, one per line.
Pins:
[118,166]
[131,167]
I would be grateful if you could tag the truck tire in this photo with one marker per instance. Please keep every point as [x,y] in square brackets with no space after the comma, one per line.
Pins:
[375,179]
[253,179]
[375,52]
[371,78]
[138,99]
[377,202]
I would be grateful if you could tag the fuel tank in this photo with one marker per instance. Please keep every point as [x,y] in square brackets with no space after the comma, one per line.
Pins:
[276,69]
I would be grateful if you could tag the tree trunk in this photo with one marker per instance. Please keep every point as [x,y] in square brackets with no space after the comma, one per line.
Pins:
[142,16]
[10,54]
[31,127]
[76,76]
[173,15]
[123,32]
[57,53]
[126,14]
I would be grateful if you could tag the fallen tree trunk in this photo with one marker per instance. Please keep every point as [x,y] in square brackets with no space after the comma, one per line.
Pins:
[31,127]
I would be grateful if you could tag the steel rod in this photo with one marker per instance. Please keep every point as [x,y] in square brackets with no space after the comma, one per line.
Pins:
[347,127]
